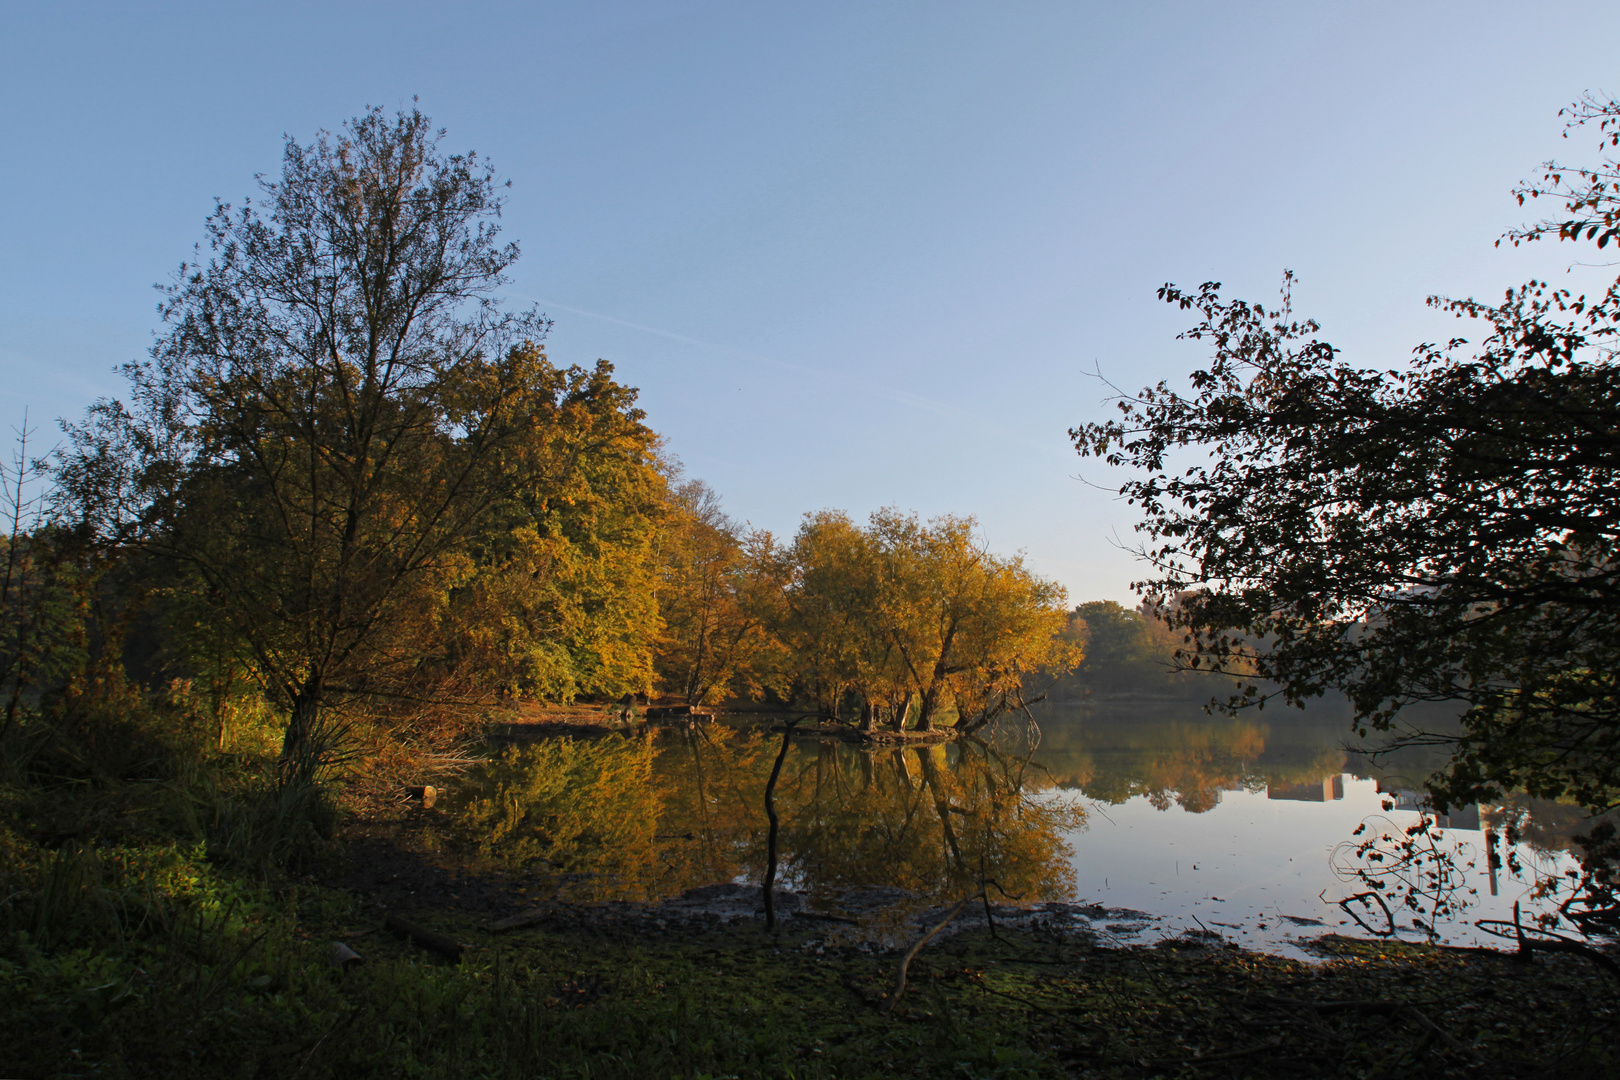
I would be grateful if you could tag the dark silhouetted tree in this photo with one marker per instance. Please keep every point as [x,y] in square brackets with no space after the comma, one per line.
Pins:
[1442,531]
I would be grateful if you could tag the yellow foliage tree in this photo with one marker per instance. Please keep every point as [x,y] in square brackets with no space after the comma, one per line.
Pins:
[557,596]
[904,612]
[713,575]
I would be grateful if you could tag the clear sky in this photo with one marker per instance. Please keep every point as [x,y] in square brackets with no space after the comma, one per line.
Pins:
[854,254]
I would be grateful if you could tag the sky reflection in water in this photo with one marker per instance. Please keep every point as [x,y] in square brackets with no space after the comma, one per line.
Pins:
[1235,826]
[1247,827]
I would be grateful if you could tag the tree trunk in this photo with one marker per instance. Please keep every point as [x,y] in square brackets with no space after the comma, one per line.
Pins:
[699,655]
[930,703]
[930,697]
[868,714]
[898,713]
[831,699]
[295,748]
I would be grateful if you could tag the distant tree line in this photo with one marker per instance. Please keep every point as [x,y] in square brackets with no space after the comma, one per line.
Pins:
[1124,653]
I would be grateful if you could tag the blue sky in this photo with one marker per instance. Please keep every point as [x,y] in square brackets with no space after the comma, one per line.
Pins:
[854,255]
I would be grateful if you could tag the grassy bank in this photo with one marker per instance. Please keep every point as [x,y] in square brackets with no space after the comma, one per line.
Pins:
[169,910]
[193,974]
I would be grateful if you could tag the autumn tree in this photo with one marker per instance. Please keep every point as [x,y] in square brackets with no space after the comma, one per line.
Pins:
[907,613]
[967,625]
[712,573]
[555,594]
[337,409]
[829,622]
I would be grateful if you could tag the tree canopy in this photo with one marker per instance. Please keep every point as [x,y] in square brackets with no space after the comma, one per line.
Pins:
[1440,531]
[348,475]
[1125,653]
[716,581]
[342,437]
[905,613]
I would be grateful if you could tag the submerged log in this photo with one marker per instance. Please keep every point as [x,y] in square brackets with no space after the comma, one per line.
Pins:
[448,948]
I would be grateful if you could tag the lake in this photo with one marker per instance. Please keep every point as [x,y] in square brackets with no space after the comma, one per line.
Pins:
[1141,820]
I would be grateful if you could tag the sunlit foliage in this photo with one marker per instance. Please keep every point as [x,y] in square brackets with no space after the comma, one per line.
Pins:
[717,583]
[347,447]
[912,616]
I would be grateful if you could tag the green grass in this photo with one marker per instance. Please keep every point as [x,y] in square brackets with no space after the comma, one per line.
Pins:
[238,985]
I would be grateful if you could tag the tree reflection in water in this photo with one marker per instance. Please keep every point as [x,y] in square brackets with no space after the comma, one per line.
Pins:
[649,817]
[1174,762]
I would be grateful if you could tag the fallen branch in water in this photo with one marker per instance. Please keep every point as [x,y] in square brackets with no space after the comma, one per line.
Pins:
[1364,897]
[770,812]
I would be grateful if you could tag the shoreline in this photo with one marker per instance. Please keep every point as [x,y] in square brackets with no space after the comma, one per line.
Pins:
[530,720]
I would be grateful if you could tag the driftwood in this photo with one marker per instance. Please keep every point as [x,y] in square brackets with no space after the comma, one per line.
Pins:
[519,921]
[448,948]
[1379,900]
[905,961]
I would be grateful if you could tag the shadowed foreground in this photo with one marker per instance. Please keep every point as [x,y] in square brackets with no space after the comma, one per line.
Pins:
[251,991]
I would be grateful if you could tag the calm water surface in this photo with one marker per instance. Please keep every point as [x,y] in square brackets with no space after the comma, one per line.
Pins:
[1171,819]
[1250,827]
